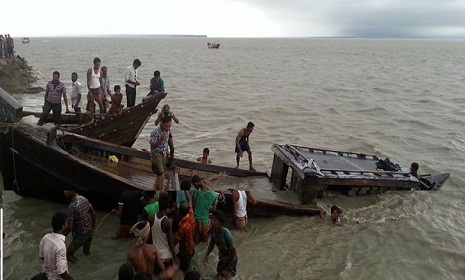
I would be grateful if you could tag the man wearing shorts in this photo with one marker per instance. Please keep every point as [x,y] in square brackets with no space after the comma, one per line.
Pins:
[242,144]
[160,139]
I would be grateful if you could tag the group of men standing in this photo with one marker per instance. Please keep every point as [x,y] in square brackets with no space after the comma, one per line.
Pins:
[99,90]
[7,47]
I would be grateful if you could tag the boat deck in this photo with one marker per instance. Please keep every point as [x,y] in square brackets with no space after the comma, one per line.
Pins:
[136,170]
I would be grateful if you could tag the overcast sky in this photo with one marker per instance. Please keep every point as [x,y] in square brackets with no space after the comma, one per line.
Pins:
[238,18]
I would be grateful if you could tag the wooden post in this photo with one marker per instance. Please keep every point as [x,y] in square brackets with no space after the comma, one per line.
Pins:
[279,172]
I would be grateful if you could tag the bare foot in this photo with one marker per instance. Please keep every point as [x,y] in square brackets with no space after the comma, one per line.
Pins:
[72,259]
[252,169]
[237,167]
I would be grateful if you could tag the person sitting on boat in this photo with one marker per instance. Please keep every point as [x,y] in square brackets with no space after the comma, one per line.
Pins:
[336,214]
[157,85]
[204,158]
[414,169]
[242,144]
[239,200]
[116,100]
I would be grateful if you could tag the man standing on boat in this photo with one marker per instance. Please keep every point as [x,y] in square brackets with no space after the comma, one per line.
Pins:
[132,82]
[76,96]
[95,86]
[242,144]
[160,139]
[53,93]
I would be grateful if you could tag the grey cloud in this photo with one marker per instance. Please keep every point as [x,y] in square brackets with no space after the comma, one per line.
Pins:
[351,18]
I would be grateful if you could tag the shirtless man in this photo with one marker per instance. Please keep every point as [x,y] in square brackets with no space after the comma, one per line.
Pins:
[242,144]
[143,257]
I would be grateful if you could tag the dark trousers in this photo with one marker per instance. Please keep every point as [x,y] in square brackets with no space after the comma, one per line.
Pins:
[56,108]
[130,96]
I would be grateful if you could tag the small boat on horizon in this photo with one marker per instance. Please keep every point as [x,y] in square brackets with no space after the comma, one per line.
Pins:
[25,40]
[214,45]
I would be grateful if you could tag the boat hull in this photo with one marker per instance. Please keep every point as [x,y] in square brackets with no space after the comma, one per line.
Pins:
[39,163]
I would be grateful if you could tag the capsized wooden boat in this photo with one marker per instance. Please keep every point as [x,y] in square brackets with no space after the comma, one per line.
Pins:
[317,170]
[271,208]
[40,162]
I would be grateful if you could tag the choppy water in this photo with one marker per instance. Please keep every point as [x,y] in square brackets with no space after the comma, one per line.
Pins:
[400,99]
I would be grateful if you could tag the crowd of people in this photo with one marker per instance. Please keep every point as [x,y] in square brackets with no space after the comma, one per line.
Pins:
[166,225]
[7,47]
[99,92]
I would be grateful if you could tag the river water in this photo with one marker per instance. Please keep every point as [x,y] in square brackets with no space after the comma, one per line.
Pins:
[401,99]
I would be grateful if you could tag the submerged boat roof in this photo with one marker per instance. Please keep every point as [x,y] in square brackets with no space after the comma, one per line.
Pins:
[328,163]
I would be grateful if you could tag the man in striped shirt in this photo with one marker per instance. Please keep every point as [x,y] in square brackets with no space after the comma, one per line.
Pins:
[53,92]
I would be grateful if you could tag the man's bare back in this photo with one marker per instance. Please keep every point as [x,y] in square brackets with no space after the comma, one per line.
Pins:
[144,258]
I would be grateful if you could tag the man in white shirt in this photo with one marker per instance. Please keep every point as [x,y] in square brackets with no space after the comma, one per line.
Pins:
[52,249]
[76,96]
[132,82]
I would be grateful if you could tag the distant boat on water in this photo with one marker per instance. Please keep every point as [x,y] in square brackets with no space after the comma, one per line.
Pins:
[25,40]
[214,45]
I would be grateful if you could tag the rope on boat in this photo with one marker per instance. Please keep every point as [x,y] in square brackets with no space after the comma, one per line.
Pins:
[102,221]
[15,182]
[9,124]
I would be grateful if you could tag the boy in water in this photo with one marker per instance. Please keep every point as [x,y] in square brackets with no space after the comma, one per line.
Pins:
[336,214]
[116,99]
[414,169]
[204,158]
